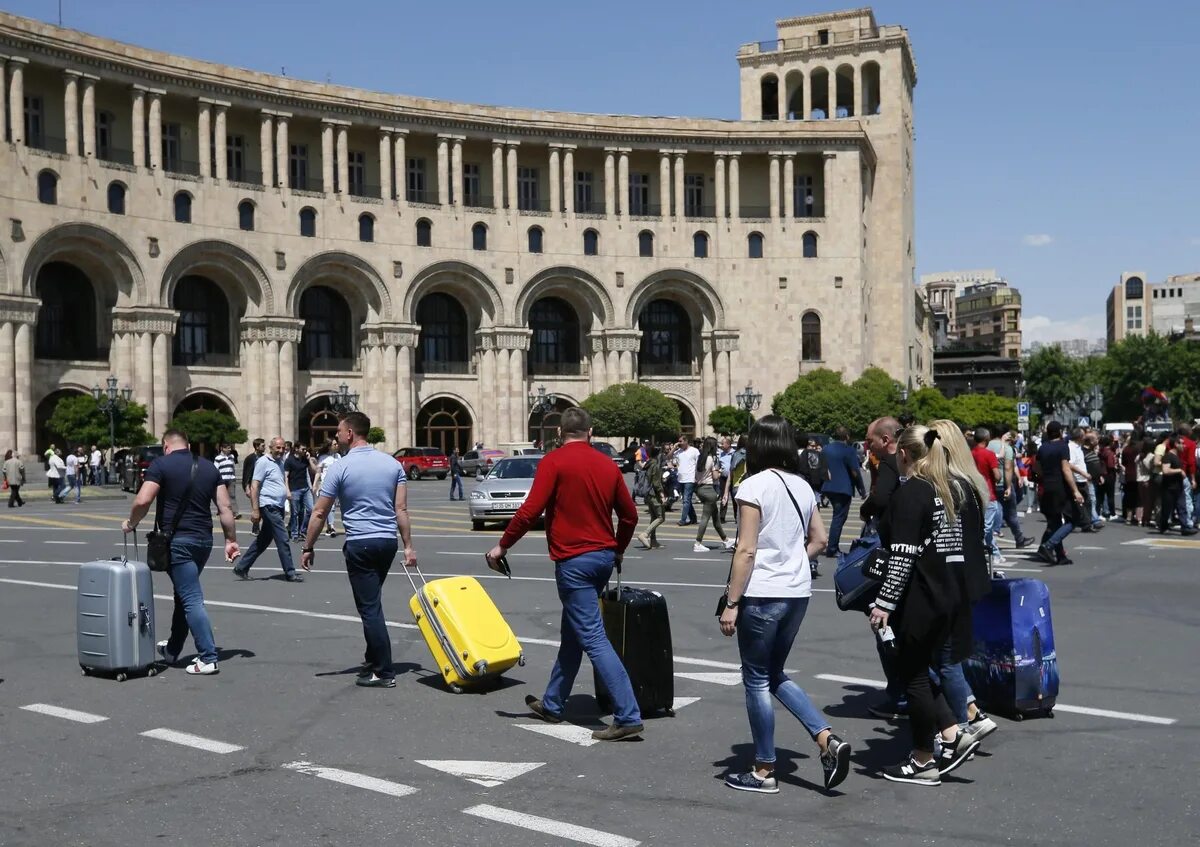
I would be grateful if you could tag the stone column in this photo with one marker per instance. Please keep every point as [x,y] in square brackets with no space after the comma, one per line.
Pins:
[664,182]
[162,382]
[627,366]
[16,98]
[782,96]
[282,156]
[456,173]
[8,383]
[143,369]
[71,110]
[597,381]
[154,122]
[138,126]
[401,158]
[443,172]
[327,160]
[610,173]
[623,183]
[555,182]
[488,432]
[266,155]
[612,367]
[405,413]
[204,137]
[828,194]
[723,393]
[221,143]
[343,159]
[270,390]
[3,95]
[23,357]
[679,204]
[720,180]
[735,187]
[511,175]
[288,427]
[519,423]
[774,186]
[809,94]
[497,174]
[389,419]
[832,94]
[708,382]
[503,398]
[252,379]
[789,186]
[569,180]
[857,95]
[385,167]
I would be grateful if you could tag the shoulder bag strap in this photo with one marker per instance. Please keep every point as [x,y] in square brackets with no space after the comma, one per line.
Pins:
[187,493]
[800,514]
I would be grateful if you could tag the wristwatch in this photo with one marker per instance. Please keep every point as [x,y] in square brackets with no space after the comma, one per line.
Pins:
[306,550]
[732,604]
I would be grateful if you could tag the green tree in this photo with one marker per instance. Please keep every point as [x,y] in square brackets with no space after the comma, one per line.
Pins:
[208,427]
[1054,380]
[76,420]
[728,420]
[630,410]
[983,409]
[818,402]
[876,395]
[1139,361]
[929,404]
[376,435]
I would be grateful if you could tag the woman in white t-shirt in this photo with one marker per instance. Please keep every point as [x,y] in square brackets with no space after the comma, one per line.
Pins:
[770,583]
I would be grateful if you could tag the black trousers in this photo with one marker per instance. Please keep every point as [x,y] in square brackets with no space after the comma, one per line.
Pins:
[14,496]
[1172,506]
[928,711]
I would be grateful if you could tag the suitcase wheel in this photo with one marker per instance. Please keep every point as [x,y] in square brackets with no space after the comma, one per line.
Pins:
[1019,716]
[83,671]
[456,688]
[121,677]
[151,671]
[521,660]
[670,713]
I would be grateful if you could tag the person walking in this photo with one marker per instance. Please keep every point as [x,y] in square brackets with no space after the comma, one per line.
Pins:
[226,466]
[1130,509]
[456,475]
[925,600]
[708,480]
[248,464]
[1186,448]
[725,455]
[1007,490]
[73,472]
[371,487]
[1083,479]
[268,494]
[56,469]
[14,475]
[1146,470]
[1061,501]
[1172,504]
[1097,481]
[94,463]
[686,457]
[300,467]
[177,480]
[329,457]
[989,468]
[654,498]
[845,477]
[578,488]
[769,589]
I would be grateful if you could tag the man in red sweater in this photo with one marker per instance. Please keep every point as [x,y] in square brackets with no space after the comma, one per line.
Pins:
[578,488]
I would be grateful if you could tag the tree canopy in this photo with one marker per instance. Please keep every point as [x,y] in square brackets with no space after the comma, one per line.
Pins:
[1139,361]
[728,420]
[209,426]
[631,410]
[1053,380]
[76,420]
[820,401]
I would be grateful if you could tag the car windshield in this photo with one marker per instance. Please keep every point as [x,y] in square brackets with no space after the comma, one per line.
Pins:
[603,447]
[432,451]
[514,469]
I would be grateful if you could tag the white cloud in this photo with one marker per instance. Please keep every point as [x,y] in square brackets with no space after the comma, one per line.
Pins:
[1039,239]
[1047,330]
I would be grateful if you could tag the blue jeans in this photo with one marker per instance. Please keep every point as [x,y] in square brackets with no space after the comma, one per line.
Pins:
[766,629]
[580,581]
[456,485]
[188,558]
[954,685]
[302,506]
[1011,520]
[687,514]
[841,510]
[992,521]
[272,529]
[368,561]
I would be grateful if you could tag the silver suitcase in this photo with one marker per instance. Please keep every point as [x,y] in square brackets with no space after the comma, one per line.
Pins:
[116,618]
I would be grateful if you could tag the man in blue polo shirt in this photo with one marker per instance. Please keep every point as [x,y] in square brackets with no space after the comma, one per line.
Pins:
[268,494]
[370,485]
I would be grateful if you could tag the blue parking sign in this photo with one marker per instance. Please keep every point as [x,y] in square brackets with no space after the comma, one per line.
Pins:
[1023,410]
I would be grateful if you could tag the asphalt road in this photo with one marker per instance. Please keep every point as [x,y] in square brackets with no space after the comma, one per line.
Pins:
[284,749]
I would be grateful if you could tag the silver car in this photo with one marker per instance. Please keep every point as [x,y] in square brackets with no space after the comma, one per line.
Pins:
[501,492]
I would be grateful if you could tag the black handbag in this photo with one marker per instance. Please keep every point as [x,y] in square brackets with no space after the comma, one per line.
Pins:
[158,542]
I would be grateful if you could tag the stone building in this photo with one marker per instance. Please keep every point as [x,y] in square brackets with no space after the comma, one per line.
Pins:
[222,238]
[975,310]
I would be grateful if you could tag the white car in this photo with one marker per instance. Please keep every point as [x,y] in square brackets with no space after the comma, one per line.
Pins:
[503,490]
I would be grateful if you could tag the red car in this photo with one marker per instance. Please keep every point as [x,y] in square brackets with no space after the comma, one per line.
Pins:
[422,461]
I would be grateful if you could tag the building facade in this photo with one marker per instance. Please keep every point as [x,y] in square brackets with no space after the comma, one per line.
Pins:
[974,309]
[222,238]
[1135,307]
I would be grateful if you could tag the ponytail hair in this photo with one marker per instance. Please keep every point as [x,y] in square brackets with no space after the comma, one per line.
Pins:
[959,456]
[929,460]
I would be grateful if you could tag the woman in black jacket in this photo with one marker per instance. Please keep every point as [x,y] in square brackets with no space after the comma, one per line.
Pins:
[924,600]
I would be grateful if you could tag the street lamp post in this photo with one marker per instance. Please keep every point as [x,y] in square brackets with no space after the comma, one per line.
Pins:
[110,400]
[748,401]
[541,403]
[343,400]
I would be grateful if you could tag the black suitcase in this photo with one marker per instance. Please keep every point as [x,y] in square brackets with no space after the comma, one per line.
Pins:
[639,628]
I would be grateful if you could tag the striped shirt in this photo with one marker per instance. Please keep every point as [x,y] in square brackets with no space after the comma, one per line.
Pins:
[226,465]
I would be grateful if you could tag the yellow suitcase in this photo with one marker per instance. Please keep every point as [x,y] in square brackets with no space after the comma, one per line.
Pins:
[470,641]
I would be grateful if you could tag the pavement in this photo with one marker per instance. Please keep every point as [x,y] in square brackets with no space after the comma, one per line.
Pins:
[282,748]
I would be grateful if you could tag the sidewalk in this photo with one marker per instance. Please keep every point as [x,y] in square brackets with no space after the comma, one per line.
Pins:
[91,493]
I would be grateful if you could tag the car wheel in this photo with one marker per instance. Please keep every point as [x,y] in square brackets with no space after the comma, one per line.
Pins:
[441,476]
[414,472]
[476,525]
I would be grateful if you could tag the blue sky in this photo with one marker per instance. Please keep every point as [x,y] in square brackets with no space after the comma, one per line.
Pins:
[1056,141]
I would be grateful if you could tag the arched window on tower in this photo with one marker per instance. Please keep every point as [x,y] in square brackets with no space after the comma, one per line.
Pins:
[754,245]
[424,233]
[645,243]
[810,337]
[366,227]
[183,209]
[246,216]
[810,245]
[47,188]
[116,198]
[591,242]
[479,237]
[700,245]
[308,222]
[535,239]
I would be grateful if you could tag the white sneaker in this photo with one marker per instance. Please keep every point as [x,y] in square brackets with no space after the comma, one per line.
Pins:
[169,658]
[1028,512]
[729,545]
[999,561]
[199,668]
[699,548]
[644,540]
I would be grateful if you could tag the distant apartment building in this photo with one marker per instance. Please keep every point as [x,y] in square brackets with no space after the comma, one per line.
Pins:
[1136,307]
[974,310]
[1076,348]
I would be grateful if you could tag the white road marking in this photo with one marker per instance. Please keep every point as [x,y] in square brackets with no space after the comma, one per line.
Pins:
[188,740]
[487,774]
[679,702]
[64,542]
[11,540]
[65,714]
[852,680]
[549,826]
[357,780]
[716,678]
[562,731]
[1123,716]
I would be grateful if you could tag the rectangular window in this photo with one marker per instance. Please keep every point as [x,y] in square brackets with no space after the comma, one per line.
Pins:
[415,181]
[805,202]
[298,166]
[583,191]
[527,189]
[357,176]
[104,130]
[471,185]
[693,195]
[34,124]
[235,157]
[170,148]
[639,194]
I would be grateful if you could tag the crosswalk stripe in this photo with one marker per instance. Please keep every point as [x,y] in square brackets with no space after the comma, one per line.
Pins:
[356,780]
[562,731]
[65,714]
[549,826]
[186,739]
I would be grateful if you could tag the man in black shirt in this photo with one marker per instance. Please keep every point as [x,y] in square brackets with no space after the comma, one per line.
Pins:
[1061,500]
[298,467]
[1172,491]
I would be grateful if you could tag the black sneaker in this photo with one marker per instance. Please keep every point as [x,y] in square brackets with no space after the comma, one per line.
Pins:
[889,711]
[374,681]
[982,726]
[955,752]
[1046,553]
[1024,542]
[749,782]
[535,706]
[241,573]
[292,576]
[914,774]
[835,762]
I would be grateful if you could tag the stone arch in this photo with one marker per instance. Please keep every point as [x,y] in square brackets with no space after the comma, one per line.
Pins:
[579,288]
[477,292]
[768,95]
[794,86]
[686,408]
[43,409]
[99,253]
[5,282]
[190,400]
[689,289]
[438,424]
[234,270]
[354,278]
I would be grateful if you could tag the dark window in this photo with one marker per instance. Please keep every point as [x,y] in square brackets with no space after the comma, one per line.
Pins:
[700,245]
[47,187]
[810,337]
[202,332]
[170,148]
[1134,288]
[246,215]
[554,347]
[591,242]
[414,174]
[308,222]
[104,130]
[810,245]
[183,210]
[472,196]
[357,173]
[235,158]
[66,324]
[366,228]
[298,166]
[327,340]
[666,339]
[822,36]
[583,192]
[442,344]
[754,245]
[804,202]
[116,198]
[645,243]
[693,195]
[424,233]
[527,189]
[33,122]
[479,237]
[535,239]
[768,89]
[639,194]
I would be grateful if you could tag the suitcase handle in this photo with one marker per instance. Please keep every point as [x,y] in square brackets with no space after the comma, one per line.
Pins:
[125,546]
[407,570]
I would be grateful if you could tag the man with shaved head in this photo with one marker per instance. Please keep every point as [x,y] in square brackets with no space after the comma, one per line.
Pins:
[268,494]
[881,442]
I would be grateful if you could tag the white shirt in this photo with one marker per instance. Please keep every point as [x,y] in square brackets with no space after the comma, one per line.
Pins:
[95,459]
[1076,456]
[72,465]
[781,566]
[685,464]
[56,468]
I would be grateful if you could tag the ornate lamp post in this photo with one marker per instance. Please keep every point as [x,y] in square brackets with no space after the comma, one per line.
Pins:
[541,404]
[748,401]
[343,400]
[110,400]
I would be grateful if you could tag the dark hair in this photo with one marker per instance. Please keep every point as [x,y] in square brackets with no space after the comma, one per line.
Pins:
[358,423]
[575,422]
[905,419]
[175,435]
[708,448]
[259,442]
[742,442]
[772,444]
[1054,430]
[1077,433]
[841,433]
[7,455]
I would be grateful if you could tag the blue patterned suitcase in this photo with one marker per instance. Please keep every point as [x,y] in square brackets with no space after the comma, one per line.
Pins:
[1013,668]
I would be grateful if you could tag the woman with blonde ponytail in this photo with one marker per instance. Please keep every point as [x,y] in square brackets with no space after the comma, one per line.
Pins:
[924,600]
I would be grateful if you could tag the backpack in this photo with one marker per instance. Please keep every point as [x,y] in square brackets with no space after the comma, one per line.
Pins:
[738,470]
[641,484]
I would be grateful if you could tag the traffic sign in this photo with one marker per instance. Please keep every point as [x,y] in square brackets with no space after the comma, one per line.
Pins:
[1083,421]
[1023,410]
[1097,415]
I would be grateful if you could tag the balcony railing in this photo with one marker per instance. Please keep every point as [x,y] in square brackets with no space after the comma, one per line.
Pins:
[372,192]
[116,156]
[535,204]
[306,184]
[755,211]
[246,176]
[428,197]
[205,360]
[646,210]
[664,368]
[329,364]
[802,42]
[700,212]
[428,367]
[48,143]
[182,166]
[478,201]
[555,368]
[595,207]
